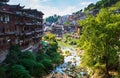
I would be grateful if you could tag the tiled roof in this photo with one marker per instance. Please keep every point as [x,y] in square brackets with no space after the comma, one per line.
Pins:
[16,6]
[4,0]
[12,9]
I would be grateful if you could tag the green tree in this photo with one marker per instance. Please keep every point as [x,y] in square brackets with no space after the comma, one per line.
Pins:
[42,56]
[2,72]
[49,37]
[101,4]
[27,55]
[51,55]
[28,64]
[47,63]
[18,71]
[52,19]
[13,55]
[66,23]
[38,70]
[100,41]
[90,7]
[78,12]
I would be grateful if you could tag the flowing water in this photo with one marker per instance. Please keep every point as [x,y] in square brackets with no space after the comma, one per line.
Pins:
[70,62]
[68,69]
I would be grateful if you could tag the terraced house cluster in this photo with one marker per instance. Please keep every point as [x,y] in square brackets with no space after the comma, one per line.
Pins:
[20,26]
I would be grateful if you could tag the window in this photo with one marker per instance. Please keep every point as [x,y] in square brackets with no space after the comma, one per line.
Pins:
[3,30]
[5,19]
[1,18]
[26,28]
[1,41]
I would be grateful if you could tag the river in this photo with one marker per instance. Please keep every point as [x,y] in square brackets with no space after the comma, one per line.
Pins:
[69,67]
[70,61]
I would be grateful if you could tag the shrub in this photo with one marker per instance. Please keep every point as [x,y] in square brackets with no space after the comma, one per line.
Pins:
[18,71]
[12,57]
[35,69]
[28,64]
[47,63]
[57,59]
[2,72]
[38,70]
[27,55]
[42,56]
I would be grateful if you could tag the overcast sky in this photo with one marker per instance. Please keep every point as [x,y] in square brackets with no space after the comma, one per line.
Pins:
[51,7]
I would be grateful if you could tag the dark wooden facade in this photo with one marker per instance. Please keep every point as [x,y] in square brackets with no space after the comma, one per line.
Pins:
[20,26]
[58,30]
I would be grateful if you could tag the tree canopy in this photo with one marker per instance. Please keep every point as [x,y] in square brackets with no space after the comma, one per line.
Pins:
[100,40]
[100,4]
[52,19]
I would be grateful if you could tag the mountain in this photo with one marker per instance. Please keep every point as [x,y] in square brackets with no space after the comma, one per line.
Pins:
[92,9]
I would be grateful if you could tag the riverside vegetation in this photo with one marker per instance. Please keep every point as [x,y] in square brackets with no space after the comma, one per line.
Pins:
[27,64]
[100,40]
[101,44]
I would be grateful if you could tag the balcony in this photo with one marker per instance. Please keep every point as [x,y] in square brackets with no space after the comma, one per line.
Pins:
[38,30]
[39,35]
[33,16]
[19,23]
[25,33]
[24,23]
[27,23]
[29,32]
[38,23]
[27,48]
[2,34]
[10,33]
[19,33]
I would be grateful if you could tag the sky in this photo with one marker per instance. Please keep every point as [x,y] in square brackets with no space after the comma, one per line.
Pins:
[51,7]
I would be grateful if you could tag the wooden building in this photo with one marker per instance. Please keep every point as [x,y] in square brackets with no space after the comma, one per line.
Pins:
[58,30]
[20,26]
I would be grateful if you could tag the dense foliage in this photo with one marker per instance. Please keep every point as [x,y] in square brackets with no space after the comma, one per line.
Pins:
[100,41]
[66,23]
[68,38]
[18,71]
[27,64]
[12,57]
[53,46]
[101,4]
[52,19]
[22,65]
[2,72]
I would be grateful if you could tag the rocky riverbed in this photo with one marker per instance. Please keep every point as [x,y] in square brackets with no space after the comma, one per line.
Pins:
[70,61]
[69,68]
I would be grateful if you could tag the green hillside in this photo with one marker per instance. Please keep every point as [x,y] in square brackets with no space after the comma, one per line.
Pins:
[101,4]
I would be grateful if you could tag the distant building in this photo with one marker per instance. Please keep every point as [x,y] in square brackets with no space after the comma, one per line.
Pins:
[62,19]
[73,25]
[58,30]
[19,26]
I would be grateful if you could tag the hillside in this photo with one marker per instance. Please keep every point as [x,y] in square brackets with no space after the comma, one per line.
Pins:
[101,4]
[111,4]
